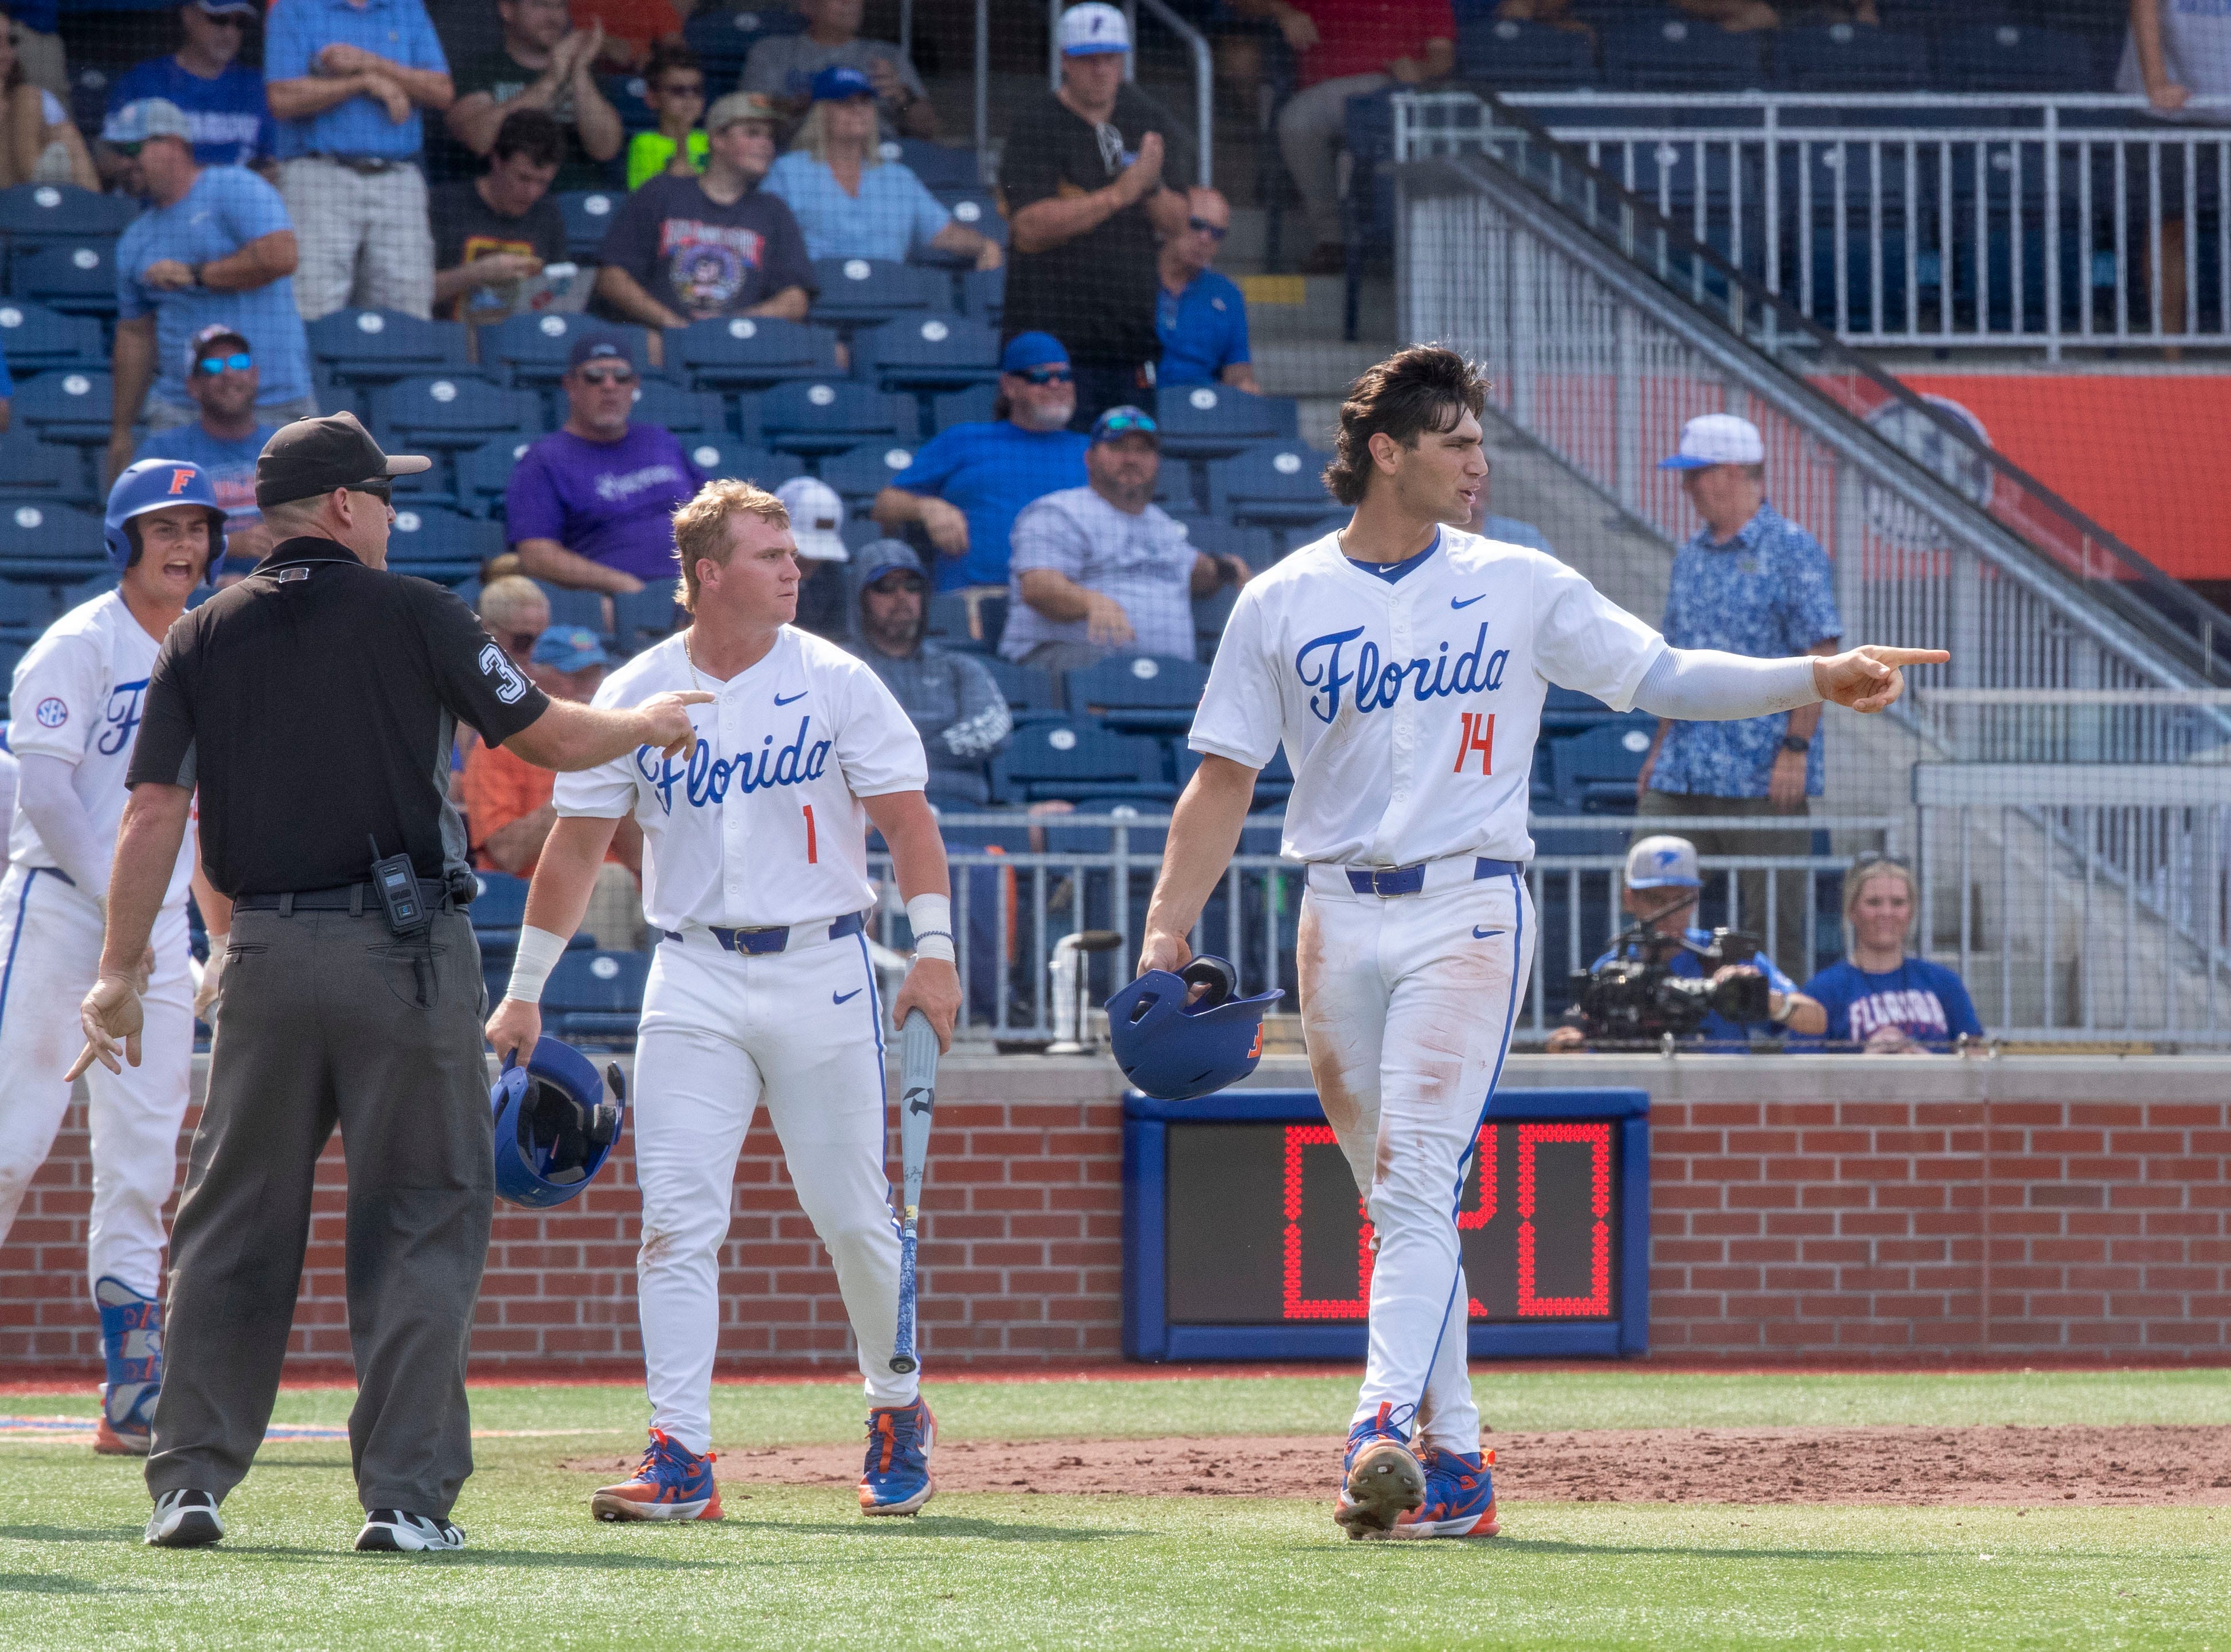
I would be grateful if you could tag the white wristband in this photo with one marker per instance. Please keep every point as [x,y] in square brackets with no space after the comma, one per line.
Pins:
[537,954]
[931,918]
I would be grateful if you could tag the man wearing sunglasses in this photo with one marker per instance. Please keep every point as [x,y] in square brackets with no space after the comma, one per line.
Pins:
[1200,317]
[227,115]
[224,440]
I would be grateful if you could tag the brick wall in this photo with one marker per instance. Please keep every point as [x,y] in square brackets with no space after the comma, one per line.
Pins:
[1831,1210]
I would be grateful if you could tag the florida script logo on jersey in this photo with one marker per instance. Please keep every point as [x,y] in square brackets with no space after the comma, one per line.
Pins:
[1322,663]
[706,780]
[121,719]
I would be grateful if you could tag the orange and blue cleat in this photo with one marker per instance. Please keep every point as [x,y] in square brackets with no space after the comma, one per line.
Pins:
[1459,1497]
[896,1479]
[672,1483]
[131,1347]
[1382,1479]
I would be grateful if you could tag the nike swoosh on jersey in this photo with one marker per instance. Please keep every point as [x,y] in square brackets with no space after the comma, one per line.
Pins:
[1479,934]
[846,997]
[1467,601]
[793,700]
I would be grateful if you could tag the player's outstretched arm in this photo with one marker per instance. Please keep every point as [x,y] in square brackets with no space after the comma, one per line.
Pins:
[564,877]
[147,840]
[1204,832]
[933,986]
[567,737]
[1705,685]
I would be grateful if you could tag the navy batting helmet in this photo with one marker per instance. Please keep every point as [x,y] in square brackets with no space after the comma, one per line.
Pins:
[553,1128]
[1178,1051]
[155,484]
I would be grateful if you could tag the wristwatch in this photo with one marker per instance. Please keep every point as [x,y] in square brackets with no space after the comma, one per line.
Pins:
[194,273]
[1798,743]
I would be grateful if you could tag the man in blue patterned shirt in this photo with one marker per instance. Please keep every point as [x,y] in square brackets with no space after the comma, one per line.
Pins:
[1751,583]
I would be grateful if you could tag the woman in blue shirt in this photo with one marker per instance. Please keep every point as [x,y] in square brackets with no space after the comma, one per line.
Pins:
[849,200]
[1880,998]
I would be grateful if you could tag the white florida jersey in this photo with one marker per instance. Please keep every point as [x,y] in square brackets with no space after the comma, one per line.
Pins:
[78,695]
[762,824]
[1409,710]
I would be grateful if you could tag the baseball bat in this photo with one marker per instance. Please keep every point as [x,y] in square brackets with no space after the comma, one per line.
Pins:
[917,1105]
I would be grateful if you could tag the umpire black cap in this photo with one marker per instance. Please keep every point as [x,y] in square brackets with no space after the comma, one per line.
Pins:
[315,457]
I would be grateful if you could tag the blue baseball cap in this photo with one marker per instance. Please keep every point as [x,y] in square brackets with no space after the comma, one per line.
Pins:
[1028,350]
[839,81]
[570,648]
[598,346]
[1120,422]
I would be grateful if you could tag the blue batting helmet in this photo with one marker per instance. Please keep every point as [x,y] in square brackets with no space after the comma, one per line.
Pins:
[553,1128]
[1178,1051]
[155,484]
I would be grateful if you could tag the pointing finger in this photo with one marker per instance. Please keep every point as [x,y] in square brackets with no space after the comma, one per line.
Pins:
[703,697]
[85,1059]
[1908,656]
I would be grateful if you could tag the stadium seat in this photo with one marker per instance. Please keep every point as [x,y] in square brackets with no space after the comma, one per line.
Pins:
[1666,52]
[747,353]
[625,94]
[865,471]
[595,996]
[455,412]
[375,347]
[1595,771]
[724,455]
[1101,840]
[30,468]
[585,609]
[723,37]
[498,909]
[35,212]
[971,406]
[1077,760]
[827,416]
[983,295]
[642,617]
[953,620]
[51,543]
[1138,692]
[436,487]
[1568,711]
[687,413]
[1030,691]
[863,292]
[973,207]
[1177,489]
[1511,55]
[1215,422]
[529,351]
[1293,536]
[71,407]
[33,339]
[1253,546]
[940,167]
[76,277]
[2007,57]
[588,215]
[484,472]
[1844,57]
[926,354]
[436,543]
[1275,483]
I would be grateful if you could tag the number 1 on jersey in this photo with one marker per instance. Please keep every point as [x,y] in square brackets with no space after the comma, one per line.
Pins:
[1478,735]
[812,856]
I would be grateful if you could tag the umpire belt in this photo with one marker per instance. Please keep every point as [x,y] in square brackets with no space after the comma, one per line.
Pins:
[1422,877]
[355,899]
[776,940]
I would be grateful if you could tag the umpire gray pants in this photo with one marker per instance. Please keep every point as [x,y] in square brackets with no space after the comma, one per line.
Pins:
[329,1019]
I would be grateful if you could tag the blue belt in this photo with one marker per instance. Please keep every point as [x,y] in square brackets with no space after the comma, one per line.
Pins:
[1409,880]
[758,941]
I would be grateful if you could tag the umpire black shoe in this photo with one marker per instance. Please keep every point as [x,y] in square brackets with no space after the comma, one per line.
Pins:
[395,1530]
[184,1520]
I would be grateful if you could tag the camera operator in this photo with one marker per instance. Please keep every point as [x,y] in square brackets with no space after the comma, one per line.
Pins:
[1661,893]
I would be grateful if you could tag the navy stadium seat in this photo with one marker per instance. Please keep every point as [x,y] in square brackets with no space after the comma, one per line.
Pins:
[862,292]
[436,543]
[642,617]
[865,471]
[1666,52]
[747,353]
[973,207]
[451,411]
[1030,691]
[939,167]
[380,346]
[1215,421]
[1273,781]
[1252,545]
[32,212]
[30,468]
[983,295]
[71,406]
[2007,57]
[827,416]
[484,472]
[1274,483]
[1568,711]
[596,995]
[928,353]
[1595,771]
[724,455]
[953,620]
[585,609]
[1176,490]
[1847,57]
[34,338]
[625,94]
[1293,536]
[530,350]
[49,542]
[499,908]
[77,277]
[723,38]
[1077,760]
[25,611]
[971,406]
[1139,692]
[588,215]
[1510,55]
[685,412]
[436,487]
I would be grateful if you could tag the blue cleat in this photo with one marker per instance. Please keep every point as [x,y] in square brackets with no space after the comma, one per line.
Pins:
[1459,1497]
[896,1480]
[132,1346]
[672,1483]
[1381,1478]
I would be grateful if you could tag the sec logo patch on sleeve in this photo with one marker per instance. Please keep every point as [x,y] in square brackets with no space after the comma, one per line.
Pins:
[51,712]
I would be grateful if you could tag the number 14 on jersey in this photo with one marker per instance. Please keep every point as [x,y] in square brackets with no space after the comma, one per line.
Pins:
[1476,734]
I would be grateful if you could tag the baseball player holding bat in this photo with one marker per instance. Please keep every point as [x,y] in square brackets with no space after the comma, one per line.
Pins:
[1403,664]
[761,989]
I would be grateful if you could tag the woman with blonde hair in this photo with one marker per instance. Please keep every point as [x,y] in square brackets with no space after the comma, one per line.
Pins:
[39,144]
[849,200]
[1880,997]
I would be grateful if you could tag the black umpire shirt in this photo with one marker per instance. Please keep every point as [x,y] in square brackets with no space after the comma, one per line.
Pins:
[314,705]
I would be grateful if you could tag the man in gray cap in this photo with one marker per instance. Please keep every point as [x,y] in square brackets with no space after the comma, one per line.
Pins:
[313,706]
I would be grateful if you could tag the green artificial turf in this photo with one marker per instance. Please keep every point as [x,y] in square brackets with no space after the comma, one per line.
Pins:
[799,1567]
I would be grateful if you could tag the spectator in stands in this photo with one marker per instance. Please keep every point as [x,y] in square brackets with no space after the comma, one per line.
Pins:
[957,707]
[544,63]
[496,230]
[1880,997]
[817,527]
[40,146]
[683,249]
[783,67]
[1199,316]
[634,30]
[1345,50]
[213,248]
[1102,569]
[1751,583]
[673,88]
[224,381]
[515,613]
[967,483]
[588,505]
[346,79]
[36,44]
[1738,16]
[507,800]
[223,98]
[851,203]
[1662,888]
[1084,176]
[2175,52]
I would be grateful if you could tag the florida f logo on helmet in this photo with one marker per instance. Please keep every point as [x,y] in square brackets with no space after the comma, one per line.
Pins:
[181,478]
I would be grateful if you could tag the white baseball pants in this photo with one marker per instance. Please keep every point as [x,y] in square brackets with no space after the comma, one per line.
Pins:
[51,938]
[723,1031]
[1407,1004]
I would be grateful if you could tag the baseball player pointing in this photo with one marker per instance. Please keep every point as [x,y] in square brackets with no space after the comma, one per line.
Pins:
[755,882]
[1402,664]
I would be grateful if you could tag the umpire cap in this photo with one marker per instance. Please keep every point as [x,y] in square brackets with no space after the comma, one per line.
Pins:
[315,457]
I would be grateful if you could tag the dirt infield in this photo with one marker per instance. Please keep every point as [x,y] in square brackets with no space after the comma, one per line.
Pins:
[1876,1465]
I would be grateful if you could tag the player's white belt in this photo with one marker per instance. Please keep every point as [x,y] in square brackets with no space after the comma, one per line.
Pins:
[780,937]
[1421,877]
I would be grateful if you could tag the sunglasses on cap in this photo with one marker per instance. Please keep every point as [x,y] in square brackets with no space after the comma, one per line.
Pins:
[1122,425]
[239,362]
[1047,376]
[1213,231]
[609,375]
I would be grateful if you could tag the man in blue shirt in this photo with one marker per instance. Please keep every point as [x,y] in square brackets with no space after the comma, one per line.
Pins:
[226,118]
[346,79]
[1749,582]
[213,247]
[1200,316]
[1663,886]
[966,484]
[223,380]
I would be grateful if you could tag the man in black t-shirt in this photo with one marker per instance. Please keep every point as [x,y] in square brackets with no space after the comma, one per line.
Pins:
[544,63]
[1085,183]
[313,706]
[686,248]
[493,232]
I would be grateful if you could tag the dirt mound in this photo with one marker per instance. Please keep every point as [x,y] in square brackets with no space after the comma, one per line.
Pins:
[1908,1466]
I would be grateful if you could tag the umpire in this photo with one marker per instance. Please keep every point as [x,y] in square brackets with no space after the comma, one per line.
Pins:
[313,706]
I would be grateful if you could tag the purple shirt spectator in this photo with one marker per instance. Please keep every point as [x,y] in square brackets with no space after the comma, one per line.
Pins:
[609,501]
